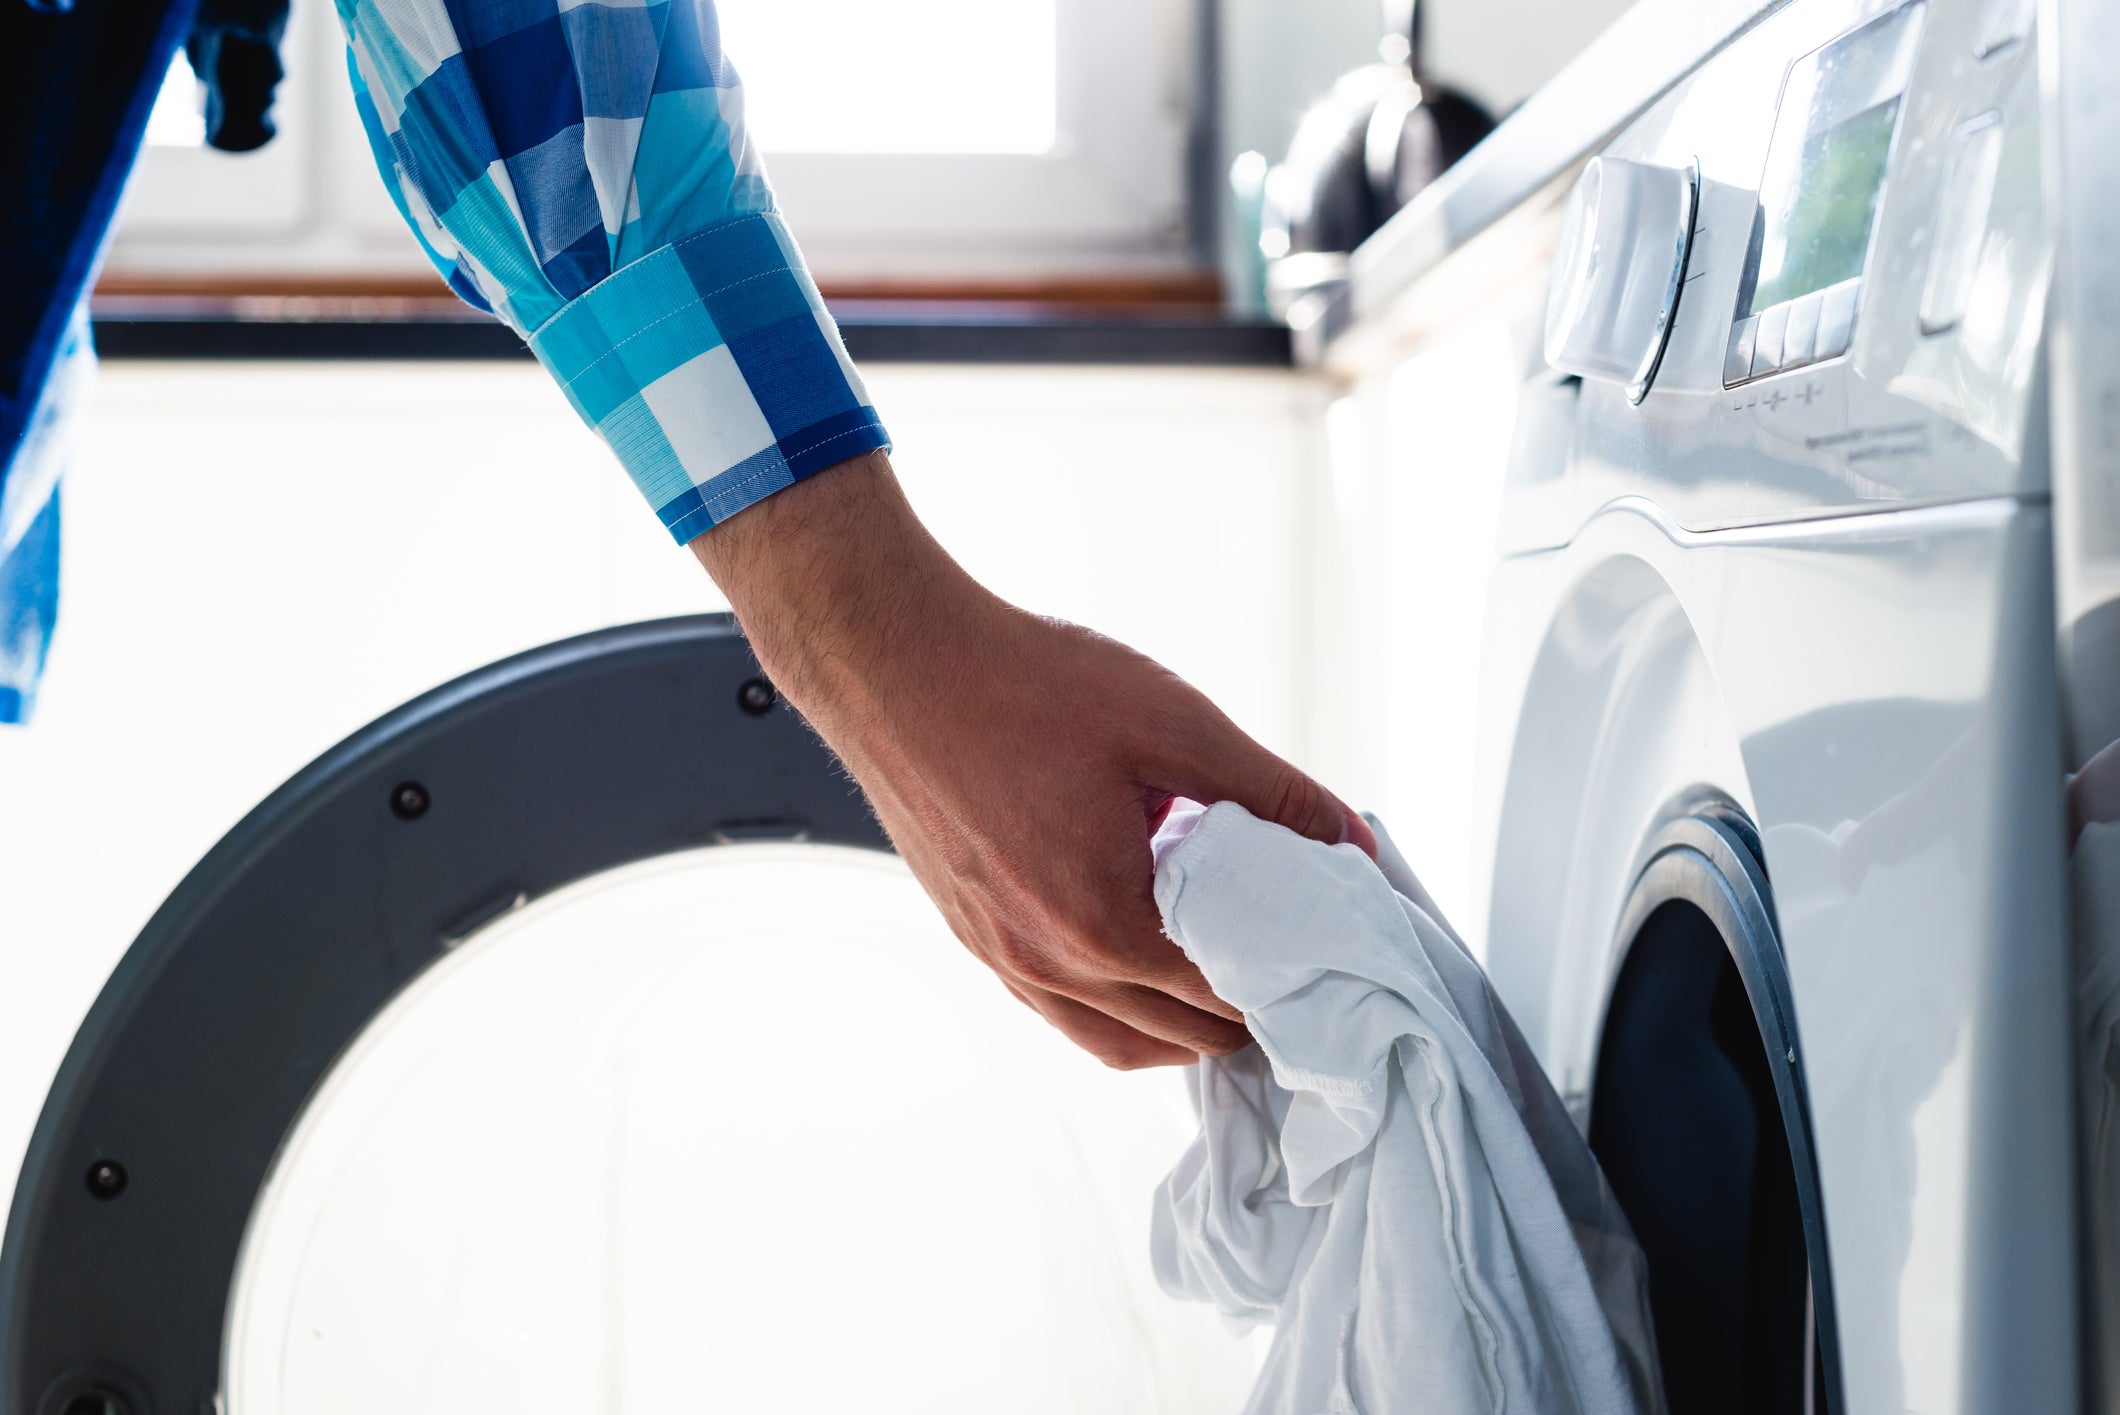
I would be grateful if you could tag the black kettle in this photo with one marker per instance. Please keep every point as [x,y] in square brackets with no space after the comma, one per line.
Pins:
[1383,133]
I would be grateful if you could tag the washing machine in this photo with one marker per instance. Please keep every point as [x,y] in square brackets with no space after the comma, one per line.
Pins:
[1788,333]
[1775,343]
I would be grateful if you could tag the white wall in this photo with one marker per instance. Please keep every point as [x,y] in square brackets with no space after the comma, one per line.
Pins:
[262,558]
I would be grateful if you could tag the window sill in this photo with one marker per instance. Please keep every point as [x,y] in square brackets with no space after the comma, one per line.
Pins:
[338,324]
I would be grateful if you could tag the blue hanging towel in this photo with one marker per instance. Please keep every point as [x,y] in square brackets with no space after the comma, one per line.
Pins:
[29,522]
[77,81]
[29,607]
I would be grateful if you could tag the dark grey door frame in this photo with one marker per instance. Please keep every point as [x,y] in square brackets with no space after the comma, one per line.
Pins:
[1656,1044]
[289,937]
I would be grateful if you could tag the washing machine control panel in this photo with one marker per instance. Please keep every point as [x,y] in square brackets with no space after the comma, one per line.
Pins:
[1818,198]
[1859,298]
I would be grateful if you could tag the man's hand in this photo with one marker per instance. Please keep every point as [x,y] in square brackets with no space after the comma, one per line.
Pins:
[1018,763]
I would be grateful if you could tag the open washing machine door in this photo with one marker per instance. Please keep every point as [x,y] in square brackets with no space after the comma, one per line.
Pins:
[570,1040]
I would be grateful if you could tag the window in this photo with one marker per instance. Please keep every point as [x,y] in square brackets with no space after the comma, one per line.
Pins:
[178,119]
[1037,133]
[183,189]
[947,60]
[918,139]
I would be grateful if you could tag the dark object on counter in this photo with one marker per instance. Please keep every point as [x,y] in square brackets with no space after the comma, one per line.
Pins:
[1367,148]
[234,48]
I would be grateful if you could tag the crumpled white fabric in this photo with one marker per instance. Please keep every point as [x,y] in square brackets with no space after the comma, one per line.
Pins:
[1387,1178]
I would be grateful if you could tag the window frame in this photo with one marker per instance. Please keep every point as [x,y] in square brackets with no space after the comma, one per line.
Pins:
[1112,196]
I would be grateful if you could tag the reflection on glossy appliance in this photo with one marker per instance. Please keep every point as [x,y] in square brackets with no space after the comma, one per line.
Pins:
[1781,768]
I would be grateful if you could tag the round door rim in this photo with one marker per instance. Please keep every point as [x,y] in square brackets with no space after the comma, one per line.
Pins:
[1712,859]
[308,917]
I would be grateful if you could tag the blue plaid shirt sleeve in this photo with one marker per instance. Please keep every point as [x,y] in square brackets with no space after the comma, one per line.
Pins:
[582,170]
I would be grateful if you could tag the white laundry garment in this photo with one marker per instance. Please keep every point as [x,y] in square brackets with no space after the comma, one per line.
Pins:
[1387,1178]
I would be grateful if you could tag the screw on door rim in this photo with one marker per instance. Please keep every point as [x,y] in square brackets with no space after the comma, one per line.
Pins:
[107,1179]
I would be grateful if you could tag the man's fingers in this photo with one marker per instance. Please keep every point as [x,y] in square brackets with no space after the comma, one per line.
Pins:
[1155,1011]
[1225,765]
[1107,1038]
[1183,982]
[1158,1014]
[1128,1026]
[1142,953]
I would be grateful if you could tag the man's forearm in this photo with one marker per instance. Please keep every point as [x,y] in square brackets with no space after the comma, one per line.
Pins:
[1017,763]
[823,572]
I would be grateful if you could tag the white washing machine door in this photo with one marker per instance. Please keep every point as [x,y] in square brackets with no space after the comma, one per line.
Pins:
[570,1041]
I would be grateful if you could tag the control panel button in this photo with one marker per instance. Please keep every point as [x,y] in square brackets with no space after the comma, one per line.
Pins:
[1766,344]
[1737,364]
[1619,269]
[1799,341]
[1962,207]
[1836,319]
[2005,22]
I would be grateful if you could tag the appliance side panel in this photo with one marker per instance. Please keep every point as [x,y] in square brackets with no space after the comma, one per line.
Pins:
[2082,110]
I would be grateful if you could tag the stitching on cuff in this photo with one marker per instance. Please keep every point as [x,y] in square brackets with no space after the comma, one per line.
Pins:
[874,426]
[659,319]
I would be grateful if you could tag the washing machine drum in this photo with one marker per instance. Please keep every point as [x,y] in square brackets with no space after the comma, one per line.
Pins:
[570,1041]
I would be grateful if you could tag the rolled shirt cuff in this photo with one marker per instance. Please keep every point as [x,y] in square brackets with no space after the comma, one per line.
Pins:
[713,371]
